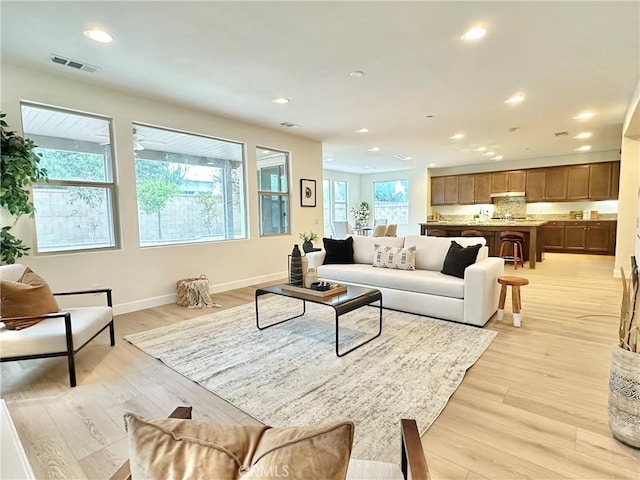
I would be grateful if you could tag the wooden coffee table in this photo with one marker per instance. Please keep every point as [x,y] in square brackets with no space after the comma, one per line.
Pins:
[353,298]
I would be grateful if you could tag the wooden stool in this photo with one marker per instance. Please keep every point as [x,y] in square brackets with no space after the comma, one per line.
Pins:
[516,283]
[516,240]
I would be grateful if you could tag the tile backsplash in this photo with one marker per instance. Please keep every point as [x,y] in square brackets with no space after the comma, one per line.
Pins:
[505,206]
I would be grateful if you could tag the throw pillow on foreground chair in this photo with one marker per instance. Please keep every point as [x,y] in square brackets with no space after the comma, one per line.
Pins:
[32,325]
[181,448]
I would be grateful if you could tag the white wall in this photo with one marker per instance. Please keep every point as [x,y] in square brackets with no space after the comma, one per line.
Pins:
[143,277]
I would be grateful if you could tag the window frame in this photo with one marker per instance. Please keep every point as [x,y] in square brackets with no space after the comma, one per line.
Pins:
[391,220]
[271,193]
[110,185]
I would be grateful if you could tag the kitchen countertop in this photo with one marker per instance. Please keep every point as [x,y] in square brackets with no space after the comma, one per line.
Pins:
[491,223]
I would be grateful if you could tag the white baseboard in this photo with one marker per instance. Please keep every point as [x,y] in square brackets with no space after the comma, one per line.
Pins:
[137,305]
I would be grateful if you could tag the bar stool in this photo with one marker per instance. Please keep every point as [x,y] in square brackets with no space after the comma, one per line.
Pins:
[472,233]
[515,283]
[516,240]
[437,233]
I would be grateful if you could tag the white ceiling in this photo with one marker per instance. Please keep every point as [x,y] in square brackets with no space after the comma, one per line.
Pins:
[233,58]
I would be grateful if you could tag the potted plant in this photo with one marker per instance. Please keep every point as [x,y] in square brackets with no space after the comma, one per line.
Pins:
[19,166]
[624,381]
[307,241]
[361,214]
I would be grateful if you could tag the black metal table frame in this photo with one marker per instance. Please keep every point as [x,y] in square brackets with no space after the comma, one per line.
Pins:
[340,309]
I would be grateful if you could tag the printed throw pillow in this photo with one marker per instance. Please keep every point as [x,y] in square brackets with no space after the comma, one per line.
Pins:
[338,251]
[176,448]
[459,258]
[394,257]
[30,296]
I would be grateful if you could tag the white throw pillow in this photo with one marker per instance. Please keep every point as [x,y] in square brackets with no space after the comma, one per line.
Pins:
[394,257]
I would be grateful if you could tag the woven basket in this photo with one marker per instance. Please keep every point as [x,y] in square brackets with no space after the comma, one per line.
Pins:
[183,290]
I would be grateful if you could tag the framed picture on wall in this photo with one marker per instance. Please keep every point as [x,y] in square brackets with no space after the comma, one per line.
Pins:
[307,192]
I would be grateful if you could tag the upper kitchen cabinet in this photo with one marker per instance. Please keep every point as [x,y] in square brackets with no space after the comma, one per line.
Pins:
[444,190]
[600,175]
[513,181]
[482,188]
[578,182]
[466,189]
[546,184]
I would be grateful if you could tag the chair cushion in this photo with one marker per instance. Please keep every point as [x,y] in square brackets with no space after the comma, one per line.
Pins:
[176,448]
[29,296]
[458,258]
[373,470]
[338,251]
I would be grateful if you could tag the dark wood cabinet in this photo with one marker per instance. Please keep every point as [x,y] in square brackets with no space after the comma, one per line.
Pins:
[556,187]
[451,190]
[437,191]
[596,237]
[591,181]
[482,188]
[578,182]
[600,181]
[466,189]
[499,182]
[517,180]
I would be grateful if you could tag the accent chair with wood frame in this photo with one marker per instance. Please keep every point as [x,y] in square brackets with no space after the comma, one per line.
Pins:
[60,334]
[413,463]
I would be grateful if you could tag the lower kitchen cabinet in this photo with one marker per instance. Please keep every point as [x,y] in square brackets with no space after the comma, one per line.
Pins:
[597,237]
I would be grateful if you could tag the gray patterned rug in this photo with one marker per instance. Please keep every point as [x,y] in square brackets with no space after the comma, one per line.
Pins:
[290,375]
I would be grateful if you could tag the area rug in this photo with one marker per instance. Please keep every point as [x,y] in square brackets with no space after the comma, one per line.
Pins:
[290,375]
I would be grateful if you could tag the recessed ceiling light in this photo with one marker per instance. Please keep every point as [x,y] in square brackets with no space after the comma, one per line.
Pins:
[408,158]
[432,165]
[280,100]
[457,136]
[499,157]
[357,74]
[583,116]
[98,35]
[328,159]
[583,135]
[474,33]
[480,149]
[362,130]
[367,166]
[488,154]
[517,98]
[583,148]
[374,149]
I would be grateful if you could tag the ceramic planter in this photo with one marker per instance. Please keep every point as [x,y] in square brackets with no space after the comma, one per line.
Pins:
[624,396]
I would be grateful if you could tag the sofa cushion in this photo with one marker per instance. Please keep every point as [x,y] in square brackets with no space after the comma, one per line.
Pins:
[458,258]
[176,448]
[338,251]
[364,247]
[29,296]
[394,257]
[431,251]
[420,281]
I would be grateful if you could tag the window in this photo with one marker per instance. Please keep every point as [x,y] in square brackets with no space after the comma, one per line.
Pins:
[335,201]
[391,201]
[75,208]
[190,188]
[273,191]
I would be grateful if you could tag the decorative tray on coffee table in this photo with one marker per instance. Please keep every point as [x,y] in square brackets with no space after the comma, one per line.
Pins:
[318,289]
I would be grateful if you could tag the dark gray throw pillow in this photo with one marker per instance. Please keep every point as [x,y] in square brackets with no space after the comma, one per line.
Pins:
[458,258]
[338,251]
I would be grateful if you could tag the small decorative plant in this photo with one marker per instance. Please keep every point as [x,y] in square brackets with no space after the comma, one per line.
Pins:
[308,237]
[361,214]
[19,166]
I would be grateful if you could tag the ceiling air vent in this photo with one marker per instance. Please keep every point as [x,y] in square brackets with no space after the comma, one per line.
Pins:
[85,67]
[289,124]
[561,134]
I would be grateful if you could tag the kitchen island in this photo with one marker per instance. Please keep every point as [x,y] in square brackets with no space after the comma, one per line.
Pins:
[533,247]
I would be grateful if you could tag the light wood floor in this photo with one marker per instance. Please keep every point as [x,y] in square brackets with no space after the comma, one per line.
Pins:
[534,405]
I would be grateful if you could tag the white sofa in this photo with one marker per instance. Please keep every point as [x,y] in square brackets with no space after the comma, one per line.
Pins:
[425,291]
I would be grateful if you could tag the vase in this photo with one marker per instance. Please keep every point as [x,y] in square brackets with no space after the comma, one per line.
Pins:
[295,271]
[307,247]
[624,396]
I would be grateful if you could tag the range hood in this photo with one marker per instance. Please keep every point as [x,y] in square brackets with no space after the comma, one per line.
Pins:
[507,194]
